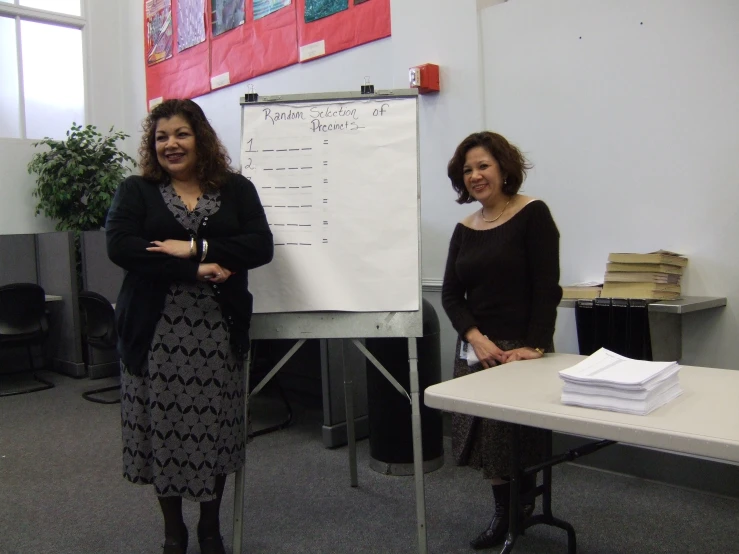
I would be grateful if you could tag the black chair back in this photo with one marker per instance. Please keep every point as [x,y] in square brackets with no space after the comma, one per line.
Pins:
[22,313]
[97,320]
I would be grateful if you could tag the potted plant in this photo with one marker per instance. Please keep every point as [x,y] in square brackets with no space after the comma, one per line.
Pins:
[77,177]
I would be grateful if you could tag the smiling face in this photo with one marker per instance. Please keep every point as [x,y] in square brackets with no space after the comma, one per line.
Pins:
[175,145]
[482,176]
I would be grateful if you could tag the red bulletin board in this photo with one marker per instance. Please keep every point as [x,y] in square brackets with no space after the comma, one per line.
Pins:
[186,74]
[256,47]
[360,24]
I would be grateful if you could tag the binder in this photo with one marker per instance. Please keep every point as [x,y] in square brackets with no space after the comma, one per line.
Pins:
[619,331]
[585,323]
[602,313]
[640,341]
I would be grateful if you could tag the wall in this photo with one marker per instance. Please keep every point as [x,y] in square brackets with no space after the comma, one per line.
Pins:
[628,110]
[422,32]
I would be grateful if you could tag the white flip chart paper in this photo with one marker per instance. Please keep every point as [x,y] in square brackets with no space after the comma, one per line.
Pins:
[339,184]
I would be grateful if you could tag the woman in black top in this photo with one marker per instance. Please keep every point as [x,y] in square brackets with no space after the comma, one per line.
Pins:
[186,232]
[500,291]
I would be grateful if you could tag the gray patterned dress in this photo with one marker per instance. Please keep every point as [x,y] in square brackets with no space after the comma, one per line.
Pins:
[183,420]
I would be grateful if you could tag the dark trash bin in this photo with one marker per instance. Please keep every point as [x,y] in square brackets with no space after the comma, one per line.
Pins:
[389,412]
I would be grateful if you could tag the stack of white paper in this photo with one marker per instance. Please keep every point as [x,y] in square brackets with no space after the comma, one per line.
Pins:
[609,381]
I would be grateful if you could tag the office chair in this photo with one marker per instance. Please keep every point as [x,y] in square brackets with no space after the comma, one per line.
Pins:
[97,323]
[23,322]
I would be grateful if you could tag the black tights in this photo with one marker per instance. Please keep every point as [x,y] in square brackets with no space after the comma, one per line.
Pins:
[209,524]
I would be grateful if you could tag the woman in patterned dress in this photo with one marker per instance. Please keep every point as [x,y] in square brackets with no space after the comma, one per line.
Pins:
[186,232]
[500,291]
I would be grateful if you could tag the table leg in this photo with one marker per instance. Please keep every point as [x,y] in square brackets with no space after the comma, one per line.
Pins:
[417,446]
[239,480]
[515,473]
[349,406]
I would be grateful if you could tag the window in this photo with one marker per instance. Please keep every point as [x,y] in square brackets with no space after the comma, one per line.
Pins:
[41,68]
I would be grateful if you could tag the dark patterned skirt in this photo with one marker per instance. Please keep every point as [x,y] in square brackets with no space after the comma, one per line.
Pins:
[485,443]
[183,420]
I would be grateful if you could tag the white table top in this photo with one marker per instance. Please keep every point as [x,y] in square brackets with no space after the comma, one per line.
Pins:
[703,421]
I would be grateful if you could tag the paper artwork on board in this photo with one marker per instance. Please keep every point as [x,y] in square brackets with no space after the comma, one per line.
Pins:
[190,23]
[158,31]
[227,15]
[318,9]
[266,7]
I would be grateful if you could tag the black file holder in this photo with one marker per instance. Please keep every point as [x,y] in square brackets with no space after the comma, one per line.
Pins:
[603,314]
[619,329]
[618,324]
[640,340]
[585,322]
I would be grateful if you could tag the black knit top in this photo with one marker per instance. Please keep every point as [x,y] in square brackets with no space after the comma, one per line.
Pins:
[505,280]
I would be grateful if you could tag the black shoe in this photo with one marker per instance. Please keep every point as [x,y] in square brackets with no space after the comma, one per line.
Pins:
[212,545]
[494,535]
[497,530]
[175,546]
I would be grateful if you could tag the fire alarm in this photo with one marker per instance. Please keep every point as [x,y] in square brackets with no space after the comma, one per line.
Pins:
[425,78]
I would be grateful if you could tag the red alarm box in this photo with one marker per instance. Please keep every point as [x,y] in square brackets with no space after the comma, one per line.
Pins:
[425,78]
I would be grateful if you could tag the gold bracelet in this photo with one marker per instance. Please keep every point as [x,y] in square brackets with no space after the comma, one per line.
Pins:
[540,351]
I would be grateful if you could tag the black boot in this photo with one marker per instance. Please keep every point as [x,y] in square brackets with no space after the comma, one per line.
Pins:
[498,527]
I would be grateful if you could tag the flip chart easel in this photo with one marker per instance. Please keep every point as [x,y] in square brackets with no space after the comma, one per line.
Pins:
[329,323]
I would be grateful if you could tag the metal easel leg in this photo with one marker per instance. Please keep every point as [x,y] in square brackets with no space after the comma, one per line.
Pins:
[417,446]
[349,405]
[239,479]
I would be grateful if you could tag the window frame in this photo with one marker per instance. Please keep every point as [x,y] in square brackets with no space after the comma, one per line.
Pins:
[22,13]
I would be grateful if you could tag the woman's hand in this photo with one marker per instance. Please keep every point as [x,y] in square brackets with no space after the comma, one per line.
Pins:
[485,349]
[525,353]
[214,273]
[171,247]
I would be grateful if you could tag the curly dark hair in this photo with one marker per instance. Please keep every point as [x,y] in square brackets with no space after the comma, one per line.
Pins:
[513,165]
[213,163]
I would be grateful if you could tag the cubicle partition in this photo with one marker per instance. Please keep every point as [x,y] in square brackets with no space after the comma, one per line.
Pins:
[17,259]
[55,259]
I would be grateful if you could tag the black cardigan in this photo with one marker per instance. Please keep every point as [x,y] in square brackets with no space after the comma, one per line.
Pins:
[238,238]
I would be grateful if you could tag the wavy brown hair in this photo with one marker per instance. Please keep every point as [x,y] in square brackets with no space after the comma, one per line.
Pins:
[212,165]
[513,165]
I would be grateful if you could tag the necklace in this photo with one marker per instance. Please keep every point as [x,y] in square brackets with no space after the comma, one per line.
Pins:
[482,214]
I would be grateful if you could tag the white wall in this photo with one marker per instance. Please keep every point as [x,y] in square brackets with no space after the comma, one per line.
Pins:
[430,31]
[628,108]
[423,31]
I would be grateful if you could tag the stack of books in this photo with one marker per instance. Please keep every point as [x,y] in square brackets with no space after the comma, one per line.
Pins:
[590,289]
[653,276]
[608,381]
